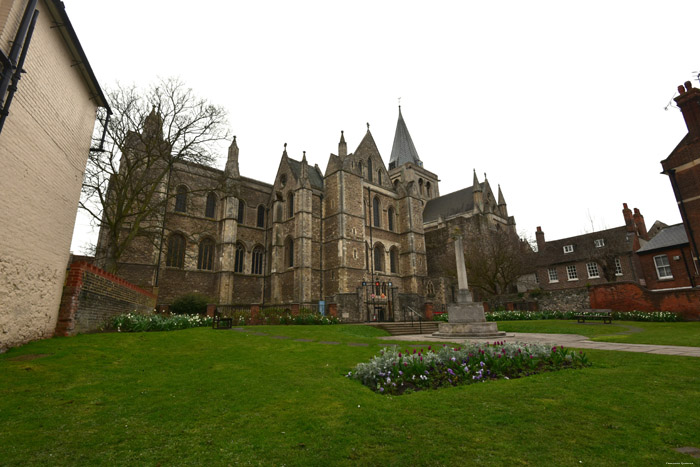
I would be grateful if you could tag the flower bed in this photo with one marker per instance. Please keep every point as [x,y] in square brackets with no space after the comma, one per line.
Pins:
[280,316]
[397,372]
[656,316]
[139,323]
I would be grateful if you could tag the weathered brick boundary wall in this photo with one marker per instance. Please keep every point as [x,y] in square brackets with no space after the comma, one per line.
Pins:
[630,296]
[91,296]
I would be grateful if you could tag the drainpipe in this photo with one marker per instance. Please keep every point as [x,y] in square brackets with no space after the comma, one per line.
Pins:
[370,209]
[320,261]
[18,70]
[15,50]
[687,269]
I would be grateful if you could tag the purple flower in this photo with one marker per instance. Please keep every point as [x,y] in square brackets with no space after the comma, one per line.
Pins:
[381,389]
[482,364]
[399,354]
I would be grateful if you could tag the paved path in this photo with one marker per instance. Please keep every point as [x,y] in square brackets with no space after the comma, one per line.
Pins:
[567,340]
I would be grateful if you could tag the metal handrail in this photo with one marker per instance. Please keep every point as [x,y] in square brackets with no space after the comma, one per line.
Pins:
[412,314]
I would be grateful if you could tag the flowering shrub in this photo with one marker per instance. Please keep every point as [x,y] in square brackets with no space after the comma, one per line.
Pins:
[139,323]
[280,316]
[658,316]
[394,371]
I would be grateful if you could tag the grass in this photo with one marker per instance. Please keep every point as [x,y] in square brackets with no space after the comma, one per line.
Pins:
[630,332]
[201,396]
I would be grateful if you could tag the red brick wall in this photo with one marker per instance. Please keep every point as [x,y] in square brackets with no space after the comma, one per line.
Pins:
[679,268]
[91,296]
[630,296]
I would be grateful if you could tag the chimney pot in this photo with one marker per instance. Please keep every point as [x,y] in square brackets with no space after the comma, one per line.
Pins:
[681,89]
[688,85]
[624,205]
[539,229]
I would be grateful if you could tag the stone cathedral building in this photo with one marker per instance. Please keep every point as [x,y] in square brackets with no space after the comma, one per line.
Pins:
[355,236]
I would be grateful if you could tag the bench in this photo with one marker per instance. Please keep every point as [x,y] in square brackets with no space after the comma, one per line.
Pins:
[220,322]
[604,315]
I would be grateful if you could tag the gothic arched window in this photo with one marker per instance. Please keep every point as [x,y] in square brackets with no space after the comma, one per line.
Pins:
[393,260]
[181,199]
[241,211]
[257,263]
[369,169]
[428,190]
[210,210]
[378,257]
[240,254]
[290,205]
[176,251]
[205,259]
[379,176]
[420,185]
[261,216]
[390,214]
[375,212]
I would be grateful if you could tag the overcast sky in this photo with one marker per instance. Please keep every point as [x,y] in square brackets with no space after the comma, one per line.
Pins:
[561,103]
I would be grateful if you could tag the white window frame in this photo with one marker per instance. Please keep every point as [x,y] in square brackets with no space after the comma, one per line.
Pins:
[568,249]
[553,276]
[618,267]
[599,243]
[571,272]
[663,268]
[593,271]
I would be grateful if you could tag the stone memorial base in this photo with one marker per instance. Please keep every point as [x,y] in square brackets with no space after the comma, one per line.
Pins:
[467,320]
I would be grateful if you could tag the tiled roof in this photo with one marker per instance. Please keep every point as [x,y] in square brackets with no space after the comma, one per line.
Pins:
[449,205]
[403,151]
[315,178]
[670,236]
[584,246]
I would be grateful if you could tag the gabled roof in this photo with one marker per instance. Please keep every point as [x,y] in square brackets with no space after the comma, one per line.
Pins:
[315,178]
[669,237]
[616,238]
[403,151]
[449,205]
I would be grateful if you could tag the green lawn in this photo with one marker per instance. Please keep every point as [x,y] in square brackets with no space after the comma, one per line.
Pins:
[684,333]
[201,396]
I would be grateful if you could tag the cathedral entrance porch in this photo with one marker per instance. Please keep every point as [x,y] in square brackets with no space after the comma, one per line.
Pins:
[378,301]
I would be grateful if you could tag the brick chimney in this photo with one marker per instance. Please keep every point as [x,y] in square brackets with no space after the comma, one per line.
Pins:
[629,220]
[689,103]
[639,223]
[539,235]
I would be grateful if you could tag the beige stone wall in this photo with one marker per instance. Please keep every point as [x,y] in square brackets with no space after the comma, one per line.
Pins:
[43,150]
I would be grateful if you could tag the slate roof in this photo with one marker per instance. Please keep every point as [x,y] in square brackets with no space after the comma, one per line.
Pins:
[449,205]
[670,236]
[403,151]
[315,178]
[553,252]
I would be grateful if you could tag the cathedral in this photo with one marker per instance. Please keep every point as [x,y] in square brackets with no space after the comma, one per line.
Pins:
[371,240]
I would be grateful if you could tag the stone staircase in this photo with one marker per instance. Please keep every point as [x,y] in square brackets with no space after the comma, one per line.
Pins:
[402,328]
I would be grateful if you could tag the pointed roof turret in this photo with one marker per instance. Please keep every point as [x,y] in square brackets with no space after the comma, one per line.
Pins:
[342,146]
[232,161]
[476,186]
[403,151]
[501,199]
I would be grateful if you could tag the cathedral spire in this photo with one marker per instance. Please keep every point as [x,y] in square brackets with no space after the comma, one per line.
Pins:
[502,202]
[403,151]
[476,186]
[232,161]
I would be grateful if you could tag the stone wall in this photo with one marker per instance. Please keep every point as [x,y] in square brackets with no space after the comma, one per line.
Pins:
[564,300]
[91,296]
[44,146]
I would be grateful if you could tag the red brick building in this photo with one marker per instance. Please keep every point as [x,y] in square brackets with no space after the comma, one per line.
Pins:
[592,258]
[683,169]
[666,260]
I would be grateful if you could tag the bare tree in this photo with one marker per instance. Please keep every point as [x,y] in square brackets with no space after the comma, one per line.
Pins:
[495,259]
[606,249]
[125,188]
